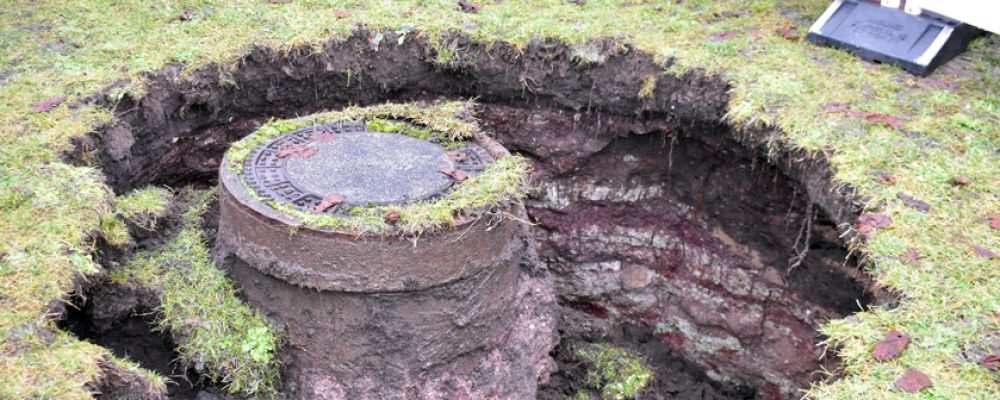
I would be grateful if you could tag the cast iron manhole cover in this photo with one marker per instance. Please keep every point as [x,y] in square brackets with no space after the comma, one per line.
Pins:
[303,167]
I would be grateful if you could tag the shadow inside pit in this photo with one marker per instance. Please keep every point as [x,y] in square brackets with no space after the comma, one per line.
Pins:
[133,338]
[674,378]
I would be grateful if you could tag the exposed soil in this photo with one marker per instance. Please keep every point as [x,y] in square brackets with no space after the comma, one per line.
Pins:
[121,318]
[387,344]
[677,229]
[132,338]
[675,379]
[662,229]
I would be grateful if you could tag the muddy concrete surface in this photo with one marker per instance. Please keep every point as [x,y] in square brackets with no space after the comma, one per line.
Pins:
[659,227]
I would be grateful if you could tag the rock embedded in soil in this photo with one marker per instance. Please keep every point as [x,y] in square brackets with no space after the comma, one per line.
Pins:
[448,314]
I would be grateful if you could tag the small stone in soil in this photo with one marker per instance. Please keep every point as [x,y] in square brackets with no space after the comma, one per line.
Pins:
[392,217]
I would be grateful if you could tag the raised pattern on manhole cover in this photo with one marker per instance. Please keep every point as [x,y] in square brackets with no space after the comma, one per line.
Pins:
[359,166]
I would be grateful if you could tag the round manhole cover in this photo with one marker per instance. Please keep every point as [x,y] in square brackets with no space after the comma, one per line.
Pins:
[368,167]
[358,167]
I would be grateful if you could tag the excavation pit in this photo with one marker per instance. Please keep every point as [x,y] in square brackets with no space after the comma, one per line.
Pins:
[649,212]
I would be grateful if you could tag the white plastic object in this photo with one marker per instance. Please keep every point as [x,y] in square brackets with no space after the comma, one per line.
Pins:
[983,14]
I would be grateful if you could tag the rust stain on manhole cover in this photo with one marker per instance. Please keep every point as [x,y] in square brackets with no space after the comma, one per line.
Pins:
[359,166]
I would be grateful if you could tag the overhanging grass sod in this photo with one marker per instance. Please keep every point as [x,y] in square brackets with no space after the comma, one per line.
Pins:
[232,343]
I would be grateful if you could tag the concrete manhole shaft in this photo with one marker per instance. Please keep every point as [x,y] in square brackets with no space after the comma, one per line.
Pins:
[379,314]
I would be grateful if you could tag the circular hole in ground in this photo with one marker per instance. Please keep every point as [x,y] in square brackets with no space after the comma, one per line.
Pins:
[658,230]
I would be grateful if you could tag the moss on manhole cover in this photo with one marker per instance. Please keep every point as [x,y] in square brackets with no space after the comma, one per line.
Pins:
[405,167]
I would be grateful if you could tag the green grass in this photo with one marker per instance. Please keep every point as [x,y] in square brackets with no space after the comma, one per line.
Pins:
[144,206]
[616,373]
[499,184]
[648,88]
[141,207]
[218,335]
[50,210]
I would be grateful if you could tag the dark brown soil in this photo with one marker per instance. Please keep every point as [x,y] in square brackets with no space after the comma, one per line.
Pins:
[385,344]
[121,319]
[675,378]
[663,229]
[652,167]
[131,338]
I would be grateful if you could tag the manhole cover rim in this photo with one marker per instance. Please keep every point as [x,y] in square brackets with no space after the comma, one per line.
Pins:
[247,198]
[243,199]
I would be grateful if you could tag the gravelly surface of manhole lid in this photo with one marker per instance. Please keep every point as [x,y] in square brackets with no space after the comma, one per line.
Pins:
[304,167]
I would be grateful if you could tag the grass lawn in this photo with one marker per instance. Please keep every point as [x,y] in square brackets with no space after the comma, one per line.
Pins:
[871,122]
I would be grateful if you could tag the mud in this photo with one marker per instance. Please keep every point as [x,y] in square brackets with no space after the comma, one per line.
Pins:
[651,213]
[398,340]
[130,337]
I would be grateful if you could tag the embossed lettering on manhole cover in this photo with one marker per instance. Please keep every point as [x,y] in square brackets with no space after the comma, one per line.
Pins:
[303,167]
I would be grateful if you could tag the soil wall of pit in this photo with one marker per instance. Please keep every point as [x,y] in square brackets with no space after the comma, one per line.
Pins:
[650,213]
[642,226]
